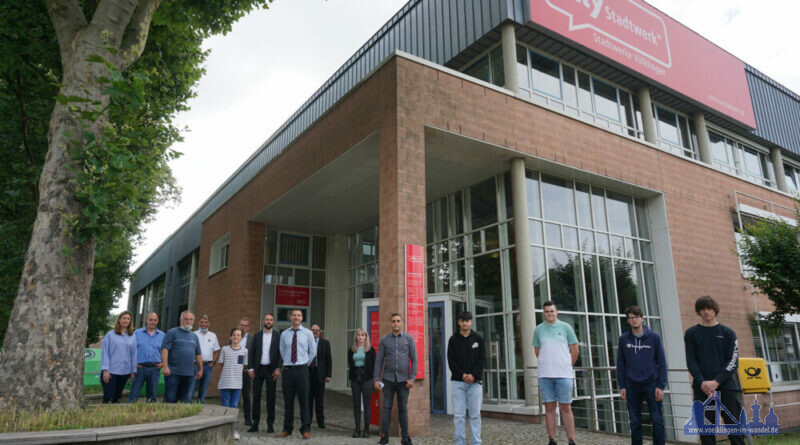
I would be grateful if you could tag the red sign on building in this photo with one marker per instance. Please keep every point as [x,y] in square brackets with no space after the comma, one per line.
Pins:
[643,39]
[292,296]
[415,302]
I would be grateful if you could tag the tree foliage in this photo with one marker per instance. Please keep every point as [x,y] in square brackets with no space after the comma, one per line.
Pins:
[771,252]
[88,93]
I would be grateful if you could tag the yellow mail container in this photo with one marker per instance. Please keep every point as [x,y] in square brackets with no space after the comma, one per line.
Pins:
[753,375]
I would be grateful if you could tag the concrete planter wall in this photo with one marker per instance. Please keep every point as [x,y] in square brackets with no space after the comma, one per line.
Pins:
[213,425]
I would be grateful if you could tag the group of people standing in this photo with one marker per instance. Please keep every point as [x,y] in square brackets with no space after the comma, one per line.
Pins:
[303,358]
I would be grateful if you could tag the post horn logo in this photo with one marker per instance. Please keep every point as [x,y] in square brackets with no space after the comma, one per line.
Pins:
[753,372]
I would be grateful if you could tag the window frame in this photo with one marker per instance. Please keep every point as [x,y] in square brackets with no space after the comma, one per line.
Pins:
[219,254]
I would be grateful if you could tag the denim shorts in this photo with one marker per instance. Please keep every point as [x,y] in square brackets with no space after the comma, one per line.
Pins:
[556,389]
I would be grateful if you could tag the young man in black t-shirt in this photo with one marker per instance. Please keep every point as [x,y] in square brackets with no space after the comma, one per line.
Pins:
[712,355]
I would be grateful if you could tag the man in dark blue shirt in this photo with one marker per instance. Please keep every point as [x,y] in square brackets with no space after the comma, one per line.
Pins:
[642,375]
[179,353]
[712,354]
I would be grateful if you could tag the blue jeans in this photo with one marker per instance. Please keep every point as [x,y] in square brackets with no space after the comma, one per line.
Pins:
[635,395]
[229,397]
[202,385]
[176,388]
[467,397]
[556,389]
[145,375]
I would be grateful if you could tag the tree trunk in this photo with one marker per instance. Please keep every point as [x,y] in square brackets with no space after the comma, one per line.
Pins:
[41,365]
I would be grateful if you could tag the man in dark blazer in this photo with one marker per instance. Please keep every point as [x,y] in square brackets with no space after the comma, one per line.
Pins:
[264,365]
[319,374]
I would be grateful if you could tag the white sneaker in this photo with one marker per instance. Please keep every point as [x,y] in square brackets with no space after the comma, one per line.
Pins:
[235,435]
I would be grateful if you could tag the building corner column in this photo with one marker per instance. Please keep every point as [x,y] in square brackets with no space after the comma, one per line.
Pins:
[777,167]
[702,137]
[401,215]
[524,280]
[648,120]
[509,42]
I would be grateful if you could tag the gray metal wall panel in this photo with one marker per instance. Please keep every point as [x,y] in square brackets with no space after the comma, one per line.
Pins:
[777,111]
[435,30]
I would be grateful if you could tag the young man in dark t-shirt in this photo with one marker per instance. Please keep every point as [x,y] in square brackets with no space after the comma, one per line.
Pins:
[712,355]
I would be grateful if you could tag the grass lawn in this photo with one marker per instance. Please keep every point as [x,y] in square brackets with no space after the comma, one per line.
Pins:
[94,416]
[783,439]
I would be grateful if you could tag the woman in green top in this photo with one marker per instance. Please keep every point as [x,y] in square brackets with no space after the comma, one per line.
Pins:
[361,363]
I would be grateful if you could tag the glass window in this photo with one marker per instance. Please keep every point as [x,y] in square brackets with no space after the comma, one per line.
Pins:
[498,75]
[319,253]
[480,69]
[483,203]
[539,276]
[620,214]
[546,75]
[667,126]
[605,97]
[564,270]
[488,284]
[294,250]
[558,199]
[719,151]
[522,67]
[569,86]
[584,93]
[792,177]
[532,194]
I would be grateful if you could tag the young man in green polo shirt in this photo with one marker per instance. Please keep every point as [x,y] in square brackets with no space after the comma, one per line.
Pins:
[556,348]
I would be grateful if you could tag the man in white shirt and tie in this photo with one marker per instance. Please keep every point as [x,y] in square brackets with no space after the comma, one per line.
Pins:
[264,365]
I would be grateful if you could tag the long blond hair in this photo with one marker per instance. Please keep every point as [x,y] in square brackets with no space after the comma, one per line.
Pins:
[355,340]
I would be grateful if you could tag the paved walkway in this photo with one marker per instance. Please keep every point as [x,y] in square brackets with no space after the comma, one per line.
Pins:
[339,427]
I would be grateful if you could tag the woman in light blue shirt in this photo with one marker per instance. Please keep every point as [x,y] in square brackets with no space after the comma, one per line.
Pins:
[117,358]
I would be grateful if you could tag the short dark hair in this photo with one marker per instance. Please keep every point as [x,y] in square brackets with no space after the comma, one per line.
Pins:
[633,309]
[236,329]
[465,315]
[270,314]
[548,303]
[295,309]
[395,314]
[706,302]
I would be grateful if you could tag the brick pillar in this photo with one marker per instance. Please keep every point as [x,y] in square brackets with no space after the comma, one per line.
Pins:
[402,214]
[252,276]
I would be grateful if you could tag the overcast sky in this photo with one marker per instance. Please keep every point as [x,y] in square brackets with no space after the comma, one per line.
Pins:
[274,59]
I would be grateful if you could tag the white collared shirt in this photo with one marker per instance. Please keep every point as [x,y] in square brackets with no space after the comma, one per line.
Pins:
[265,347]
[208,344]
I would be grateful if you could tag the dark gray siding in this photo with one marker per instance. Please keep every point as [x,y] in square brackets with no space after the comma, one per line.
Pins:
[436,30]
[777,111]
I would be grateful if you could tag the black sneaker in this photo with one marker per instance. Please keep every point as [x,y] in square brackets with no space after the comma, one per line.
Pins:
[356,434]
[253,429]
[406,441]
[365,434]
[571,442]
[552,442]
[384,440]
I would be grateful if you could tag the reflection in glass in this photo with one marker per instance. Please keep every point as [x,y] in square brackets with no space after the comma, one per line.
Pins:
[535,230]
[652,292]
[488,285]
[491,238]
[599,209]
[539,276]
[583,199]
[593,285]
[620,214]
[609,293]
[603,246]
[546,76]
[553,232]
[532,193]
[605,97]
[558,200]
[565,280]
[587,241]
[629,289]
[483,203]
[570,238]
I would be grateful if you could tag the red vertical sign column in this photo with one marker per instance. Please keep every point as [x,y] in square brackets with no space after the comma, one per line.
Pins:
[375,340]
[415,302]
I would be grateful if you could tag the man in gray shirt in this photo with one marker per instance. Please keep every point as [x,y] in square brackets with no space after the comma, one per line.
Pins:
[395,351]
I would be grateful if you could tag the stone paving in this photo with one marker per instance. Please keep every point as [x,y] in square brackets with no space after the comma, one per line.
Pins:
[339,428]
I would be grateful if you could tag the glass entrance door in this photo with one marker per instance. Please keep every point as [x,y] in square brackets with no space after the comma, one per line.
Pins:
[437,357]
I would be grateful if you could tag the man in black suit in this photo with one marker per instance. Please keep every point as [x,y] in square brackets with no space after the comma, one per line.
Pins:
[247,342]
[319,374]
[264,365]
